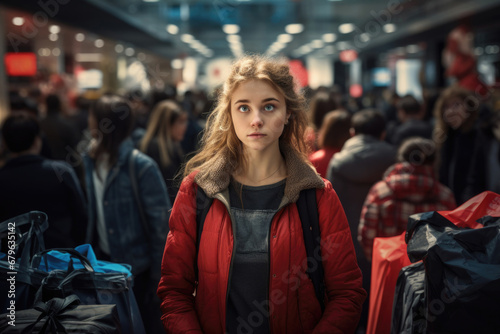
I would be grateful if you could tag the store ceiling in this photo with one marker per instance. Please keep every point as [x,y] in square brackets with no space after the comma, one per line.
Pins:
[143,24]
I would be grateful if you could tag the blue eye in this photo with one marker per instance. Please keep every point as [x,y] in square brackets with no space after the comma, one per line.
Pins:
[243,108]
[269,107]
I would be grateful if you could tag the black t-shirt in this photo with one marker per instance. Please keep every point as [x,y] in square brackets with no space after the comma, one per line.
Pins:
[252,209]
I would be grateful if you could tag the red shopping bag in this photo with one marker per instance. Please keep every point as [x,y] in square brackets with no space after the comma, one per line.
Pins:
[389,257]
[486,203]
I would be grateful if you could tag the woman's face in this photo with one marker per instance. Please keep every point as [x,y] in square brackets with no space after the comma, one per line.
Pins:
[179,127]
[455,112]
[259,114]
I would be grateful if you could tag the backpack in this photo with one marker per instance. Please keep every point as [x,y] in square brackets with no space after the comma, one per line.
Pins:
[308,213]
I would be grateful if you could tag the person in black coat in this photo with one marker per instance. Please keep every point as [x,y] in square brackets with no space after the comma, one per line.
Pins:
[410,115]
[31,182]
[456,135]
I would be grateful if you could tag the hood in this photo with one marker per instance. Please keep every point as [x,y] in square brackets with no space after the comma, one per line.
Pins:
[363,159]
[215,180]
[410,183]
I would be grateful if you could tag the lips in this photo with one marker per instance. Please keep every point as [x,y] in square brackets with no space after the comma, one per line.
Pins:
[256,135]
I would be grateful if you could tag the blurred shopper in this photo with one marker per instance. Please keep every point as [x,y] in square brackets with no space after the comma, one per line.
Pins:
[164,133]
[390,109]
[62,137]
[31,182]
[321,104]
[250,261]
[409,186]
[116,228]
[455,134]
[411,124]
[352,172]
[19,104]
[485,170]
[331,137]
[80,119]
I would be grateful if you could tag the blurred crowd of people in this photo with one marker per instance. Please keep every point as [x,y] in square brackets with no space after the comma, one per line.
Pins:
[386,159]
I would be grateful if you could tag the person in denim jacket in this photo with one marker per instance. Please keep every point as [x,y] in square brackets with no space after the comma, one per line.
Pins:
[115,227]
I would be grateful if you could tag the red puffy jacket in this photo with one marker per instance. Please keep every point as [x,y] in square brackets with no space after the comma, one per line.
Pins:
[293,307]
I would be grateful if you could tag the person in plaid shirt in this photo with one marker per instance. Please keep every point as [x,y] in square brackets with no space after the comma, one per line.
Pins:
[409,186]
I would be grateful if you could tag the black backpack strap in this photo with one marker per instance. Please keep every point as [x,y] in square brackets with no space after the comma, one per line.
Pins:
[203,203]
[308,212]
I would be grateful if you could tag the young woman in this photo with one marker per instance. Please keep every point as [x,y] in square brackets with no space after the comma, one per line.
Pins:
[332,135]
[251,260]
[115,228]
[455,133]
[166,128]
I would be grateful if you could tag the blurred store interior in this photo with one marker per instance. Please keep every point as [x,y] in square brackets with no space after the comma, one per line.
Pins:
[363,47]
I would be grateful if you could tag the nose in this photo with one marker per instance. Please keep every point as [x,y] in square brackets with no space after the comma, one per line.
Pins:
[257,120]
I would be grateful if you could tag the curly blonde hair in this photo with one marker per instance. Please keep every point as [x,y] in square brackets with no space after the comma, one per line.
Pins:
[220,139]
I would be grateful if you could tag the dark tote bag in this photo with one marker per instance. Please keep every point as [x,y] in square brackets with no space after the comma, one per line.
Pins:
[92,288]
[21,237]
[64,316]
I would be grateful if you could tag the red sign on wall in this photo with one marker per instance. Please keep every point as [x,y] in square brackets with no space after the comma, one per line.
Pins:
[20,64]
[347,56]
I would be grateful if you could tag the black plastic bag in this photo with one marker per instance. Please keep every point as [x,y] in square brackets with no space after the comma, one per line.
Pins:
[422,232]
[463,281]
[21,237]
[409,307]
[64,316]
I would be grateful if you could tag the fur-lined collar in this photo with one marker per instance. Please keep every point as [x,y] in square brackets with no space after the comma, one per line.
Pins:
[216,179]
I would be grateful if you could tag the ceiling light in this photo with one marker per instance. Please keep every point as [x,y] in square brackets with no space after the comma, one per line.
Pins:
[88,57]
[18,21]
[492,49]
[294,28]
[305,49]
[346,28]
[172,29]
[54,29]
[119,48]
[329,38]
[187,38]
[389,27]
[99,43]
[176,64]
[129,52]
[233,38]
[53,37]
[150,0]
[285,38]
[196,44]
[236,46]
[231,28]
[56,52]
[343,45]
[330,49]
[317,44]
[364,37]
[80,37]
